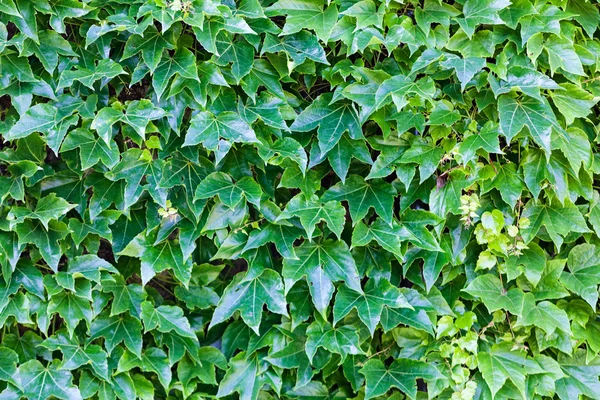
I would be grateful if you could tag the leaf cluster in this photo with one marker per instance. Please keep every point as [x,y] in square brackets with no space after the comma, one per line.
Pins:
[299,199]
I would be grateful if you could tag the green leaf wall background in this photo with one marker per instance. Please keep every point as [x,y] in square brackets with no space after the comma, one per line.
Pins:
[299,199]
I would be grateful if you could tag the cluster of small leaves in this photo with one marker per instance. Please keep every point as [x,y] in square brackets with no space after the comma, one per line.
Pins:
[299,199]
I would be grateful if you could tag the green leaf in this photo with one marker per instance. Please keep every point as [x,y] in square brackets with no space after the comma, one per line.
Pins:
[465,68]
[248,295]
[402,374]
[365,12]
[116,329]
[545,315]
[311,211]
[584,272]
[152,360]
[322,264]
[536,115]
[573,102]
[501,364]
[8,365]
[106,70]
[46,240]
[494,296]
[305,14]
[586,14]
[369,304]
[126,297]
[507,181]
[166,255]
[243,376]
[281,235]
[39,382]
[298,47]
[332,120]
[481,12]
[74,355]
[361,195]
[207,129]
[48,208]
[39,118]
[486,139]
[152,45]
[230,193]
[182,63]
[166,319]
[343,340]
[135,167]
[91,149]
[398,88]
[559,220]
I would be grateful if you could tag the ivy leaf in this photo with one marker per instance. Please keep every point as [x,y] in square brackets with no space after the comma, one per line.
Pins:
[38,381]
[248,295]
[584,272]
[587,15]
[341,155]
[152,360]
[300,14]
[243,376]
[282,149]
[536,115]
[156,258]
[71,308]
[299,47]
[74,355]
[46,240]
[500,364]
[491,291]
[311,211]
[230,193]
[361,195]
[561,54]
[282,236]
[152,45]
[581,377]
[402,373]
[545,315]
[343,340]
[127,297]
[481,12]
[135,167]
[207,129]
[507,181]
[370,303]
[332,120]
[116,329]
[388,238]
[105,70]
[465,68]
[398,88]
[8,365]
[47,209]
[39,118]
[91,149]
[166,319]
[487,140]
[182,63]
[322,264]
[523,79]
[573,102]
[559,220]
[137,115]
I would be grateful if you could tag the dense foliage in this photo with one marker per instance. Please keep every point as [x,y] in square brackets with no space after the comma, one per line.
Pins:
[299,199]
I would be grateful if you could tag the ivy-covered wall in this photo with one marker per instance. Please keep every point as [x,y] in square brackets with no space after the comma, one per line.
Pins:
[299,199]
